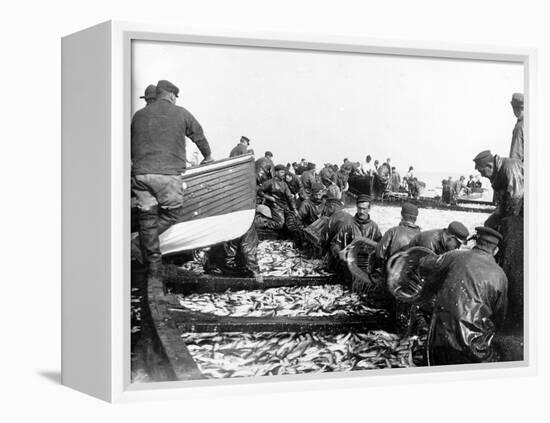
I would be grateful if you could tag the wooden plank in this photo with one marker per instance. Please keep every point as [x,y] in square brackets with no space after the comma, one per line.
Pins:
[244,170]
[182,282]
[187,321]
[241,193]
[181,363]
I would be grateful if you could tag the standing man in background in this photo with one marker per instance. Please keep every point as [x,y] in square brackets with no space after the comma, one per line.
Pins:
[158,134]
[516,148]
[241,148]
[150,94]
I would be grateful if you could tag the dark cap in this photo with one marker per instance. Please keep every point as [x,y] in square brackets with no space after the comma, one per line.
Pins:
[363,199]
[483,158]
[459,230]
[280,167]
[488,235]
[243,138]
[409,209]
[150,92]
[517,98]
[268,153]
[164,85]
[310,166]
[317,187]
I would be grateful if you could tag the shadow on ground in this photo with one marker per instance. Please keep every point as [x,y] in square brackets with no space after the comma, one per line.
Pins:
[52,376]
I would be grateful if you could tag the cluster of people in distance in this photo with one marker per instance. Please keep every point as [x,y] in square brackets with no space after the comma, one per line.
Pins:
[479,294]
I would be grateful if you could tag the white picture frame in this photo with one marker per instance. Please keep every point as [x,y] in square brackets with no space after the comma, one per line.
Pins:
[96,65]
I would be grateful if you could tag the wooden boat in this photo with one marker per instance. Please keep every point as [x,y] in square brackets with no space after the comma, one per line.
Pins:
[219,205]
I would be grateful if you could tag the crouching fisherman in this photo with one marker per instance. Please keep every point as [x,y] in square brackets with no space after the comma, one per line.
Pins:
[359,226]
[237,257]
[277,196]
[310,210]
[470,302]
[397,239]
[442,240]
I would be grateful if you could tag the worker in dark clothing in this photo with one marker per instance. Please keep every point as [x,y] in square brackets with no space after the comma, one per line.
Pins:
[328,175]
[333,201]
[301,167]
[309,177]
[470,303]
[517,145]
[310,210]
[265,169]
[397,239]
[236,257]
[442,240]
[295,185]
[158,134]
[241,148]
[361,226]
[150,94]
[277,196]
[506,176]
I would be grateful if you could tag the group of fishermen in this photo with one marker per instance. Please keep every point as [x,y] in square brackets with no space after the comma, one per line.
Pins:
[474,287]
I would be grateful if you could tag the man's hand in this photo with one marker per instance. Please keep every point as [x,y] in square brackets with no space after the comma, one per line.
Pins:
[207,159]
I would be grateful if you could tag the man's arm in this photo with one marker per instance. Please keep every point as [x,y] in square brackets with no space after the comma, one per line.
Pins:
[193,130]
[383,246]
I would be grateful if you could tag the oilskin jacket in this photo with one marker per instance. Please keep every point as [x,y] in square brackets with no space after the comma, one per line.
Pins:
[396,239]
[432,239]
[331,206]
[296,187]
[158,134]
[470,306]
[508,185]
[266,165]
[516,147]
[310,211]
[352,229]
[279,190]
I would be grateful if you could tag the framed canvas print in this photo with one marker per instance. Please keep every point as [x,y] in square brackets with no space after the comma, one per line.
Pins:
[257,211]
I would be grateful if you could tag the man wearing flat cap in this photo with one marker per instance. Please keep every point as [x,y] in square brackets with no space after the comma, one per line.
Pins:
[277,196]
[241,148]
[470,302]
[158,134]
[506,176]
[442,240]
[150,94]
[516,148]
[397,239]
[360,226]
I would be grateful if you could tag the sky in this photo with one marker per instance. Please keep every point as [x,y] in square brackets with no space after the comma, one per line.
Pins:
[433,114]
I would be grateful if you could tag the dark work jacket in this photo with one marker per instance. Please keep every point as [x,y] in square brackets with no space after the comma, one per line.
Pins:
[158,134]
[295,186]
[470,306]
[331,206]
[396,239]
[507,184]
[432,239]
[352,229]
[280,191]
[239,150]
[265,164]
[310,211]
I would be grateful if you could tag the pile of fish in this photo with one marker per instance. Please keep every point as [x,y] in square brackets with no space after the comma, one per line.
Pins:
[275,258]
[223,355]
[325,300]
[280,258]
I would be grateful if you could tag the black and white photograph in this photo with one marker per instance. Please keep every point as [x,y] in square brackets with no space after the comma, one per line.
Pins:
[303,211]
